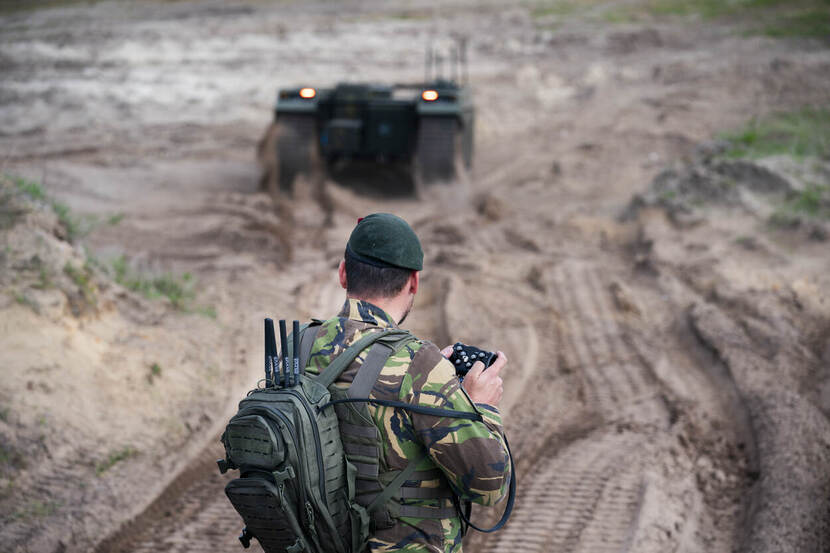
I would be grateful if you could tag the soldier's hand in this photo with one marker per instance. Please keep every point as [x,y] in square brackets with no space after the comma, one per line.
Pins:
[486,386]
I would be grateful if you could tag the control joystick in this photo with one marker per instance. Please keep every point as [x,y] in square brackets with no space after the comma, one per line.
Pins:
[463,357]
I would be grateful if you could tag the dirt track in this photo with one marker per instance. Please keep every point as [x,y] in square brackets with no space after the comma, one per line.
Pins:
[639,418]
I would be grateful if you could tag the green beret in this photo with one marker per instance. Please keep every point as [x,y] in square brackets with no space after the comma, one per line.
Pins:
[386,240]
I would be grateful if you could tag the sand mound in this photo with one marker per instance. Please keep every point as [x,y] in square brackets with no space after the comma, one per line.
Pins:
[99,386]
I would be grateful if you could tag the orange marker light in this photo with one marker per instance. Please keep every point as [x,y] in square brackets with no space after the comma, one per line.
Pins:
[429,95]
[307,93]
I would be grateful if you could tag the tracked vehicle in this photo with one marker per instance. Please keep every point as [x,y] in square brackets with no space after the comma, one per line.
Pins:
[426,129]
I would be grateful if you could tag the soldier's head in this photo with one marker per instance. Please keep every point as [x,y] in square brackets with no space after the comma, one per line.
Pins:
[382,261]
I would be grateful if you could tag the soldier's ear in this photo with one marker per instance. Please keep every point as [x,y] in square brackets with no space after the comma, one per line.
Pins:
[341,273]
[414,281]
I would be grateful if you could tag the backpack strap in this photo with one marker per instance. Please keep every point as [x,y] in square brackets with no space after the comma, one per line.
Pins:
[308,333]
[408,510]
[369,371]
[343,360]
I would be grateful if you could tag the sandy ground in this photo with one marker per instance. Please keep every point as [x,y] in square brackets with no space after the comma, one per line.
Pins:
[669,383]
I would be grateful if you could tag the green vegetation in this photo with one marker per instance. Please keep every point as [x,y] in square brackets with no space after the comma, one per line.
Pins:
[44,279]
[812,203]
[4,414]
[155,372]
[83,280]
[801,133]
[708,9]
[554,8]
[77,226]
[11,457]
[177,288]
[36,509]
[32,189]
[23,299]
[814,23]
[115,219]
[115,457]
[206,311]
[791,23]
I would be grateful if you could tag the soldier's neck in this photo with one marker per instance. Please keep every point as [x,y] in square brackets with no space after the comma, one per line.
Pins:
[396,307]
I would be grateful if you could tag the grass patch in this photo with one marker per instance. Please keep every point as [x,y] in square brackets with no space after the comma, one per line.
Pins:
[801,133]
[206,311]
[812,203]
[23,299]
[178,289]
[44,281]
[77,226]
[810,24]
[712,9]
[113,220]
[32,189]
[708,9]
[36,508]
[155,372]
[11,458]
[114,458]
[553,8]
[83,280]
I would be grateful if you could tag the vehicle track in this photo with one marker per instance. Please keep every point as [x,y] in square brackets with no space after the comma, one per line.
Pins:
[585,499]
[591,341]
[587,496]
[192,514]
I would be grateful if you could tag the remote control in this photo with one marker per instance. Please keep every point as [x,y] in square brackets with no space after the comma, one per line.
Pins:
[463,357]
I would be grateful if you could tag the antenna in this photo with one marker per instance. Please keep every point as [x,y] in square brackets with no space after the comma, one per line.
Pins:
[439,66]
[428,63]
[454,63]
[463,51]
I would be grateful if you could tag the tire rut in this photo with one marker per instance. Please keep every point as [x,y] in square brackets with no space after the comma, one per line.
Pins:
[587,496]
[192,514]
[618,385]
[586,499]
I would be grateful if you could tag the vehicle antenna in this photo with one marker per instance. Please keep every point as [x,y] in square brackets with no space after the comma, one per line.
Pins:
[428,64]
[454,63]
[463,52]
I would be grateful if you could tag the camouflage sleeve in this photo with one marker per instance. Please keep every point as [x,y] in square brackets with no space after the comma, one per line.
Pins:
[471,454]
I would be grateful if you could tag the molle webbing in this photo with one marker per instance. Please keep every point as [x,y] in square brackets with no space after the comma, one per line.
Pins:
[359,449]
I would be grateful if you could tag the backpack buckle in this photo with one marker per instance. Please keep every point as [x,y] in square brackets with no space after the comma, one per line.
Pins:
[245,538]
[298,546]
[282,475]
[223,465]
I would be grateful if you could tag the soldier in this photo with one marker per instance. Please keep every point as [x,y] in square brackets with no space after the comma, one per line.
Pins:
[464,458]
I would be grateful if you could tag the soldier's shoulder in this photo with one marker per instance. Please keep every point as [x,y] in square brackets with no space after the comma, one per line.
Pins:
[429,362]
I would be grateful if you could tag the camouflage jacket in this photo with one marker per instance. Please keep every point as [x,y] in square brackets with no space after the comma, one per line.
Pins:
[472,455]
